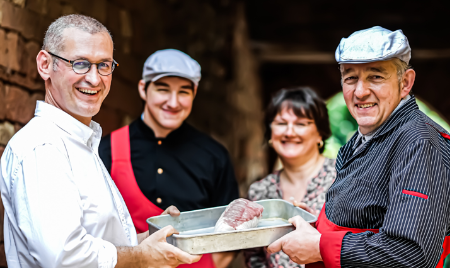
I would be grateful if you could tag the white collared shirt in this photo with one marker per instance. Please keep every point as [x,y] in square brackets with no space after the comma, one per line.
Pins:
[62,208]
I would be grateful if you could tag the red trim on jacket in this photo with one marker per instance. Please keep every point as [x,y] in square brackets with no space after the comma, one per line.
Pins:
[331,241]
[414,193]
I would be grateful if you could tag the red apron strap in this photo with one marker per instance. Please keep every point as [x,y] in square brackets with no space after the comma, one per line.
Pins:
[138,205]
[205,262]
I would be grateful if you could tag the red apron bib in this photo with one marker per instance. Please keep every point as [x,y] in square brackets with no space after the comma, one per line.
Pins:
[138,205]
[325,225]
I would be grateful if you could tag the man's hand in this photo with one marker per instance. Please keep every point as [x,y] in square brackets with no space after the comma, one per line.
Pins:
[158,253]
[154,252]
[172,210]
[301,245]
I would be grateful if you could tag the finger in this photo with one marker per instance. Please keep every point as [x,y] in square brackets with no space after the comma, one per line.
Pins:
[296,221]
[275,246]
[173,211]
[165,232]
[300,205]
[184,257]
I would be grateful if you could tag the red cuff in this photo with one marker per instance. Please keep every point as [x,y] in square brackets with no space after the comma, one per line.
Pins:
[330,248]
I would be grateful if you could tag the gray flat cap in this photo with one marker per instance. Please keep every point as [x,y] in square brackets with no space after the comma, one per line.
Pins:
[373,44]
[171,62]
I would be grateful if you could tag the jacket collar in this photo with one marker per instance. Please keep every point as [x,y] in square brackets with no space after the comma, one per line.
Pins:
[397,119]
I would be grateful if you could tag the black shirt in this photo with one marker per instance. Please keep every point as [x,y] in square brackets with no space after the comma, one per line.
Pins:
[187,169]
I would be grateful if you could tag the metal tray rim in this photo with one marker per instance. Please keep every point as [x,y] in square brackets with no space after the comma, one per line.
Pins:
[181,236]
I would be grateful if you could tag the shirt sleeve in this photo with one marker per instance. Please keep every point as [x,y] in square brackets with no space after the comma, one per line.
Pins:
[49,211]
[226,187]
[416,219]
[104,151]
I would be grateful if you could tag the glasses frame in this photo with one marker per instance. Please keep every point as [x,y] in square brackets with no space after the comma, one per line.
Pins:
[287,127]
[71,62]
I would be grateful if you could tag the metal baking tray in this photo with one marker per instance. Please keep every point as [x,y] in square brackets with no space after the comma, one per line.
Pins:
[196,228]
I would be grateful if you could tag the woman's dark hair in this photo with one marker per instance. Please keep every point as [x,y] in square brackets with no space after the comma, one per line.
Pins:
[304,102]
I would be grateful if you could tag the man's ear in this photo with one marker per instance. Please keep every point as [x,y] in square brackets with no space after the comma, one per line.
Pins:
[44,64]
[142,90]
[407,82]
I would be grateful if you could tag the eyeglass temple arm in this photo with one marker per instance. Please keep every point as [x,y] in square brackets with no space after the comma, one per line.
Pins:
[69,61]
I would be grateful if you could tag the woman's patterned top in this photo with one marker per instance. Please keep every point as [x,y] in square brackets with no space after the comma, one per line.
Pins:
[269,188]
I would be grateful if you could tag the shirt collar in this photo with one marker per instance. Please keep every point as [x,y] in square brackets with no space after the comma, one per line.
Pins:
[178,133]
[366,137]
[88,135]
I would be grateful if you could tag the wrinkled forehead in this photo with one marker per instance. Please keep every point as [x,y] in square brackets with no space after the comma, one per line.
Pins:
[382,67]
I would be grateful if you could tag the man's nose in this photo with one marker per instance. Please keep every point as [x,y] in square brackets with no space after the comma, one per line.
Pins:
[93,77]
[362,89]
[172,102]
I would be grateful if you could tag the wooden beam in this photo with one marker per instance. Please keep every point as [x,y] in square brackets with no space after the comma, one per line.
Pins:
[279,53]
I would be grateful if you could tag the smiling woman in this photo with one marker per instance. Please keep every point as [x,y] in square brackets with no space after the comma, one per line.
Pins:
[296,127]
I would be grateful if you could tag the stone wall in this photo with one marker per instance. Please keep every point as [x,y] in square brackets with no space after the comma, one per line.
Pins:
[213,32]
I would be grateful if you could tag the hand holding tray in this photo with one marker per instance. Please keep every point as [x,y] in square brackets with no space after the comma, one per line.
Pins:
[197,228]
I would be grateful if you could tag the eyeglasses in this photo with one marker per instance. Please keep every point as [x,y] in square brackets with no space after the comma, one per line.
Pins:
[282,127]
[83,66]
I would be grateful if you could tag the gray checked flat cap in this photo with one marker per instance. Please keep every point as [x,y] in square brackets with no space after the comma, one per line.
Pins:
[373,44]
[171,62]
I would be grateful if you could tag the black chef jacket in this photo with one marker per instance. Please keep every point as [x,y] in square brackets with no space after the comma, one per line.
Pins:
[187,169]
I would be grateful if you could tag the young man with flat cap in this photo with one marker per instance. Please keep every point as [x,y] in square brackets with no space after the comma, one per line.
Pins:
[62,208]
[389,205]
[160,160]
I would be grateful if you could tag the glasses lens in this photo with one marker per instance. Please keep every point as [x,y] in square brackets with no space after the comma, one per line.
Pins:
[278,127]
[81,66]
[105,67]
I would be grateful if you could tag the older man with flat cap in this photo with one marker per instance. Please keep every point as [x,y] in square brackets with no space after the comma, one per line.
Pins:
[389,205]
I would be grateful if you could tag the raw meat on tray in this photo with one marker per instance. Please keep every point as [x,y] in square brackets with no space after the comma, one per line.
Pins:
[240,214]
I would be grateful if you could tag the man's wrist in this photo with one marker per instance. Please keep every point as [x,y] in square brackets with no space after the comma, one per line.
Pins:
[317,245]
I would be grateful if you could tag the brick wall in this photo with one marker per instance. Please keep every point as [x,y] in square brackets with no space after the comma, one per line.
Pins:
[212,32]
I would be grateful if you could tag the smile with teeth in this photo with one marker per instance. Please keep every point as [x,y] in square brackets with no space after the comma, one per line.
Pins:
[367,105]
[87,91]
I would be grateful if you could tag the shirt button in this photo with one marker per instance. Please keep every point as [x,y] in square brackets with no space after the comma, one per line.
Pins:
[160,171]
[159,142]
[158,200]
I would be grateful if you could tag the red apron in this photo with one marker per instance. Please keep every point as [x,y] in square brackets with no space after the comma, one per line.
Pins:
[138,205]
[325,225]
